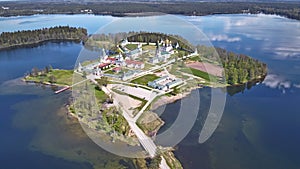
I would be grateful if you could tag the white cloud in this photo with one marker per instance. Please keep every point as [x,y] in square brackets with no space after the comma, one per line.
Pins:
[224,38]
[275,81]
[297,85]
[287,52]
[285,84]
[248,48]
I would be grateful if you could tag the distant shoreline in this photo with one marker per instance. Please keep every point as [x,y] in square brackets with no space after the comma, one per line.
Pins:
[127,8]
[33,38]
[32,45]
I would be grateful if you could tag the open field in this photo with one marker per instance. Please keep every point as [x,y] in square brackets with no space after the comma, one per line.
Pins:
[149,47]
[200,73]
[145,79]
[91,42]
[136,91]
[131,46]
[206,67]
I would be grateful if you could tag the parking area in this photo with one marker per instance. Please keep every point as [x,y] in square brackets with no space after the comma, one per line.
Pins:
[135,91]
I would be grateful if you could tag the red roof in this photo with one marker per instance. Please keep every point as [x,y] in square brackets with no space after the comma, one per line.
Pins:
[116,69]
[104,65]
[128,62]
[111,59]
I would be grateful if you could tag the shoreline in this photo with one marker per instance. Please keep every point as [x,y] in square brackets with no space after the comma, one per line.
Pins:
[40,43]
[164,100]
[104,8]
[43,83]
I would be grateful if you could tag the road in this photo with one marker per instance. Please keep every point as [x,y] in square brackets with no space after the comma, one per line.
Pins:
[147,143]
[147,104]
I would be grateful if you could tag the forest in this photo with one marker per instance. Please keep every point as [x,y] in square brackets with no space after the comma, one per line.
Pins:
[238,68]
[153,37]
[35,37]
[287,9]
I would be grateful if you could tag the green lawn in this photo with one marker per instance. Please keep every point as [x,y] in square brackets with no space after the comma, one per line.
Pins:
[109,72]
[145,79]
[100,95]
[149,47]
[200,73]
[131,46]
[195,58]
[62,77]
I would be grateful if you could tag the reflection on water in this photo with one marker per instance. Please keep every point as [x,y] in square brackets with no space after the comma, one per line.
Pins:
[54,133]
[232,90]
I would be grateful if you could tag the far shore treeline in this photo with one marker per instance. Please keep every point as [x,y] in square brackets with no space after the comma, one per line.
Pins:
[288,9]
[29,38]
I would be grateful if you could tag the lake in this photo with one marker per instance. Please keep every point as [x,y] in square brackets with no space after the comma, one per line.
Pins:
[259,127]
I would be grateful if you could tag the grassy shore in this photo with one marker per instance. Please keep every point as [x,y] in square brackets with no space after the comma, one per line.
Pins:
[55,76]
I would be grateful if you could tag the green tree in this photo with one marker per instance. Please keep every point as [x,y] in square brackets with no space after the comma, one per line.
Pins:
[52,79]
[155,162]
[103,81]
[35,71]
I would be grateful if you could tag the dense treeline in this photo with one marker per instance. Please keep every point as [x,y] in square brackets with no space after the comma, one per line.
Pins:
[152,37]
[241,68]
[238,68]
[147,37]
[288,9]
[33,37]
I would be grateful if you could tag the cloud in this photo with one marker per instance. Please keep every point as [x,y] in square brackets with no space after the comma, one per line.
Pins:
[224,38]
[297,85]
[248,48]
[287,52]
[275,81]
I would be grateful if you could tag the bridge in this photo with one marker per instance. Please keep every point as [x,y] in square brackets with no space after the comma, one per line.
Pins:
[68,87]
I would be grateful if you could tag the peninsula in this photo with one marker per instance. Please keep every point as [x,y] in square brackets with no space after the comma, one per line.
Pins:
[143,69]
[30,38]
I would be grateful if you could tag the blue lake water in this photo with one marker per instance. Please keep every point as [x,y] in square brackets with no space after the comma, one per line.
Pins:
[259,127]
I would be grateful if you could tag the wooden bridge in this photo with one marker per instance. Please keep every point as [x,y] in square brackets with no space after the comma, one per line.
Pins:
[62,90]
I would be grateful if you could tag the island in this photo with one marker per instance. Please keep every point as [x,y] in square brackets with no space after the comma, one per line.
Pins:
[31,38]
[147,70]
